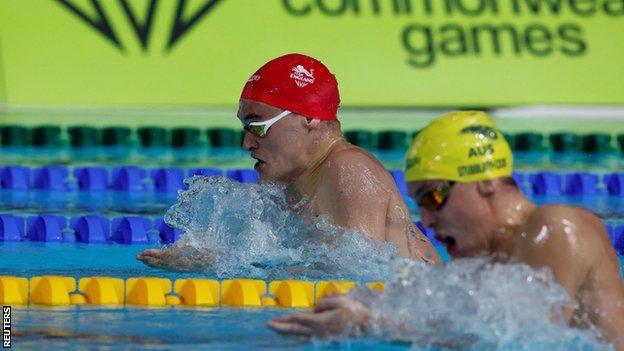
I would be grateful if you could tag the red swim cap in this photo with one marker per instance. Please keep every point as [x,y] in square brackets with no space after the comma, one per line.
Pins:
[298,83]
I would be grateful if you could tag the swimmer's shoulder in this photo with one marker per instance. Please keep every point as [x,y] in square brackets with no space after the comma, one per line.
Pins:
[353,159]
[349,168]
[565,226]
[562,216]
[557,237]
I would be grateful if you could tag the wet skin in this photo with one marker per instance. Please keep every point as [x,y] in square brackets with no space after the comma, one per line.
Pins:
[337,179]
[502,223]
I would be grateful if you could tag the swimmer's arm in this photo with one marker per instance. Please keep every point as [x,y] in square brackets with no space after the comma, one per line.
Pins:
[333,315]
[603,290]
[180,258]
[338,315]
[579,262]
[420,247]
[607,308]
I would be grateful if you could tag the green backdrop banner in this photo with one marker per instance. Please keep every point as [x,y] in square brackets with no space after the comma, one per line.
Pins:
[383,52]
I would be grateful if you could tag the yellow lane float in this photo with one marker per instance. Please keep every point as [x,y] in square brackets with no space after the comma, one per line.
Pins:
[197,292]
[147,291]
[102,290]
[159,292]
[292,293]
[51,290]
[13,290]
[242,292]
[341,287]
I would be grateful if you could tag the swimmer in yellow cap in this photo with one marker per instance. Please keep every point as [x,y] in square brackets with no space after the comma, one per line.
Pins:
[458,170]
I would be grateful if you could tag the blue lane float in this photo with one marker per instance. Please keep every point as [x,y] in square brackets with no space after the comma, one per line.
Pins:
[130,230]
[94,229]
[545,183]
[15,178]
[617,239]
[11,228]
[128,179]
[91,178]
[521,182]
[91,229]
[51,178]
[518,178]
[614,183]
[168,179]
[87,229]
[611,233]
[582,184]
[171,179]
[399,180]
[48,228]
[168,235]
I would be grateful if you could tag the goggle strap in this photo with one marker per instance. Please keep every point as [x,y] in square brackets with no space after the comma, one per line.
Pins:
[268,123]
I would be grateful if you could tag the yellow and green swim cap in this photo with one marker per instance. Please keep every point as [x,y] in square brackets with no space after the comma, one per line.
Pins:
[461,146]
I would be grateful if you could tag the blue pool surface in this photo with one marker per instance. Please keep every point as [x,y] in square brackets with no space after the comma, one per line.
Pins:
[164,329]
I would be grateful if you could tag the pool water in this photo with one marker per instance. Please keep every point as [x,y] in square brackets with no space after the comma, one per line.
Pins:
[179,328]
[172,328]
[159,329]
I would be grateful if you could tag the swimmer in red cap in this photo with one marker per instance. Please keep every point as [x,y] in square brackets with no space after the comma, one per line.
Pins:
[288,109]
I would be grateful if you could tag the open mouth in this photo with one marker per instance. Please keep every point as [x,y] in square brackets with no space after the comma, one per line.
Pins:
[260,164]
[449,242]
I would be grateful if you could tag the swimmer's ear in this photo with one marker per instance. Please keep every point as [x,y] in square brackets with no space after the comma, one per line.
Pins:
[486,187]
[312,124]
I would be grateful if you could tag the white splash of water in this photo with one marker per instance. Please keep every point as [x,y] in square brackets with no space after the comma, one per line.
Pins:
[473,304]
[250,230]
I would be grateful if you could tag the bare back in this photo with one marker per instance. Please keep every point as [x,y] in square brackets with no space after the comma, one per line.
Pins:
[355,191]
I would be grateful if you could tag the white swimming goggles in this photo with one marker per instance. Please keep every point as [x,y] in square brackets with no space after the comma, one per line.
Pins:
[260,129]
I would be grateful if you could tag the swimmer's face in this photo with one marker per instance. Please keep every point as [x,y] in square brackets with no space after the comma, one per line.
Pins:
[279,152]
[458,222]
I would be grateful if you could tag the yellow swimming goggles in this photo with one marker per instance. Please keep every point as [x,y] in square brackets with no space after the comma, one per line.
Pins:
[434,199]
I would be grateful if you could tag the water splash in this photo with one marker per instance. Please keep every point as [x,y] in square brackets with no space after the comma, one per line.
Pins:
[251,230]
[473,304]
